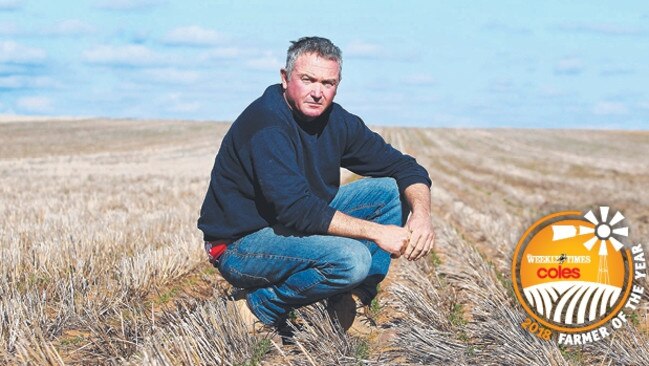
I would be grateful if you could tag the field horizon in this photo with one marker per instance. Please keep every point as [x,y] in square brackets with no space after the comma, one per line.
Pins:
[103,263]
[14,118]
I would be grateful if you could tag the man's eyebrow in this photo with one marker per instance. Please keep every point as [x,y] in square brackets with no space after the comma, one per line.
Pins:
[310,76]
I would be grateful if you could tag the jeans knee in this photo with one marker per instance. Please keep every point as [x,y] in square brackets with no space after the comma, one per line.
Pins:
[388,186]
[390,191]
[352,265]
[360,266]
[396,209]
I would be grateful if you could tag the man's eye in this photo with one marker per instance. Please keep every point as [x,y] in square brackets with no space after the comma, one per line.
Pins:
[306,80]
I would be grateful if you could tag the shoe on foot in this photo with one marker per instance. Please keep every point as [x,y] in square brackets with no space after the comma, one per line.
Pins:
[237,293]
[351,313]
[342,308]
[287,332]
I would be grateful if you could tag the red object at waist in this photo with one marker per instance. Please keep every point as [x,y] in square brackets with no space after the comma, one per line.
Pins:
[218,247]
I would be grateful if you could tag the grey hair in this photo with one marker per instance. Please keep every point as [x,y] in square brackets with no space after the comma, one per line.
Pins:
[320,46]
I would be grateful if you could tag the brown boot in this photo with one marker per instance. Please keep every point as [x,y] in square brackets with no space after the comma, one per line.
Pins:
[342,309]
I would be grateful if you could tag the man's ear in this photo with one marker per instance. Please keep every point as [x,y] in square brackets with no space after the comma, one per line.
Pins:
[284,77]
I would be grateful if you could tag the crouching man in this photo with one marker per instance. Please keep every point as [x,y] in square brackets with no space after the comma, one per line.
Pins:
[276,221]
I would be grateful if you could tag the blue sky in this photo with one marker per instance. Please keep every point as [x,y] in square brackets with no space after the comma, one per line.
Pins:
[576,64]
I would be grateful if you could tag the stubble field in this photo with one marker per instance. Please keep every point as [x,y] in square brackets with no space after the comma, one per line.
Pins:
[101,261]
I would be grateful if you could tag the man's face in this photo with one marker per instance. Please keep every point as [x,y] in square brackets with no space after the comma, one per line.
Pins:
[311,87]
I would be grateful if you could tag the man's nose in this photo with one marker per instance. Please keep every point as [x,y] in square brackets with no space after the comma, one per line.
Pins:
[316,91]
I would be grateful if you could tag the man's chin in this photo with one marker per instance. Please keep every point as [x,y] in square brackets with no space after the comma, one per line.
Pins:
[311,115]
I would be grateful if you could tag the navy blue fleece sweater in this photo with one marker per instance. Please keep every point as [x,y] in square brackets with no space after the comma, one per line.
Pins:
[274,168]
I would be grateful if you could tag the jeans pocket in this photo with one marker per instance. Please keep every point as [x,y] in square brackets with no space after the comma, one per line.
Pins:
[241,271]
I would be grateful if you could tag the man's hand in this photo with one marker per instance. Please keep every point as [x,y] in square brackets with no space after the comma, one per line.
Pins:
[393,239]
[422,237]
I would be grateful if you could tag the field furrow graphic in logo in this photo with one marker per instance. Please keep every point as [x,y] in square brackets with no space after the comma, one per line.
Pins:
[574,275]
[576,302]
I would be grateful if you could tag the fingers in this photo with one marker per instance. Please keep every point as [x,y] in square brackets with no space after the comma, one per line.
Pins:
[402,247]
[428,245]
[420,245]
[415,246]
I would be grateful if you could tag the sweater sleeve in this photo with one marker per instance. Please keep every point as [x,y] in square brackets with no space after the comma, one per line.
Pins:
[367,154]
[283,185]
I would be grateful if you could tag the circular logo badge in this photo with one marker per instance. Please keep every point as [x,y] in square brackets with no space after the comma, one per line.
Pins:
[572,272]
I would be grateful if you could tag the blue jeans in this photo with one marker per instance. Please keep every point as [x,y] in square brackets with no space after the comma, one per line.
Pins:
[284,269]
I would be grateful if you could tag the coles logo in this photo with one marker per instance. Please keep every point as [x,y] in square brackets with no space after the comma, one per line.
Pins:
[576,277]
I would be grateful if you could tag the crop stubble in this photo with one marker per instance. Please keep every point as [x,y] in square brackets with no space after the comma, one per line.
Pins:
[102,263]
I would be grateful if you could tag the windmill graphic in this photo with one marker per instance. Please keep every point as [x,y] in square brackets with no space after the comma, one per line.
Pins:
[602,232]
